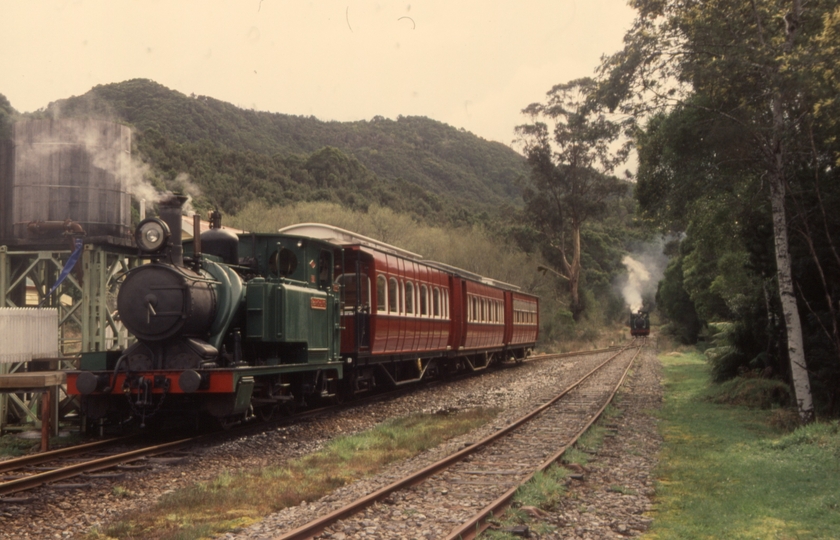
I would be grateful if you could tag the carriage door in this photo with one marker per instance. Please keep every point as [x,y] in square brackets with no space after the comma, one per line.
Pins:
[363,306]
[355,315]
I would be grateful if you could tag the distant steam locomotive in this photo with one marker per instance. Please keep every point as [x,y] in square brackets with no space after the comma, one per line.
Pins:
[229,326]
[639,323]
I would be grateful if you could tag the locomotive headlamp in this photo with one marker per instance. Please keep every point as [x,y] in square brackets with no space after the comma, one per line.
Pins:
[151,235]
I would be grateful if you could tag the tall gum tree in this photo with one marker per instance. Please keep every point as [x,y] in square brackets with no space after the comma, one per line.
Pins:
[756,64]
[570,166]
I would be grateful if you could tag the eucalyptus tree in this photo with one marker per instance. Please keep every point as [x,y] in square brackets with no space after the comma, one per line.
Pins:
[570,178]
[760,69]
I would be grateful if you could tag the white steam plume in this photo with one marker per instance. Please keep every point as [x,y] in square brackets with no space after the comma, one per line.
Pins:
[645,269]
[637,279]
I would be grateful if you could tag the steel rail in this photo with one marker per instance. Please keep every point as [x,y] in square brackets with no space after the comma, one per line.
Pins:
[480,521]
[43,457]
[314,527]
[35,480]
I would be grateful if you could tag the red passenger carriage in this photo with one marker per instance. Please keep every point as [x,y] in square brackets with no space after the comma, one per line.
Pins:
[403,316]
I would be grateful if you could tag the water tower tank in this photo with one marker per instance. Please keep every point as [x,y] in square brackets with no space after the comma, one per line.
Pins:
[75,169]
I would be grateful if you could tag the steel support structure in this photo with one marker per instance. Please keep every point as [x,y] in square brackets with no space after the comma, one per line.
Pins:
[86,303]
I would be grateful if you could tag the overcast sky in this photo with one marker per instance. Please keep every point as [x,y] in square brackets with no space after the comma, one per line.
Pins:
[473,64]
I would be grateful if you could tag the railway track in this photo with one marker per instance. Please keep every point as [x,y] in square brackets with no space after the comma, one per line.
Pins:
[458,494]
[85,462]
[110,459]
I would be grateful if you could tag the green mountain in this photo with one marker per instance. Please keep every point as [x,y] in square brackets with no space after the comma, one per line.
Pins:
[411,164]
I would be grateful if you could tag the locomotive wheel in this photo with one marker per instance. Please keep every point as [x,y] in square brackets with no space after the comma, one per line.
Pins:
[267,412]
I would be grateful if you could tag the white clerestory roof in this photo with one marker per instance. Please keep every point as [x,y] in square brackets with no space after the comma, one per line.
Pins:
[342,237]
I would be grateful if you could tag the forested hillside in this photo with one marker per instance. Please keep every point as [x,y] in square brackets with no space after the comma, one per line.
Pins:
[413,181]
[236,155]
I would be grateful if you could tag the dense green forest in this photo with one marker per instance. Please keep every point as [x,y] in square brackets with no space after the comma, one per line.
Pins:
[411,164]
[739,148]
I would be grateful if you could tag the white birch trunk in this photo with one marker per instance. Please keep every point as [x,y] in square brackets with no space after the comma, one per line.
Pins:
[793,326]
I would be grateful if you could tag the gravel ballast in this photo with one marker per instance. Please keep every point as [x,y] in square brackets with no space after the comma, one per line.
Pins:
[610,502]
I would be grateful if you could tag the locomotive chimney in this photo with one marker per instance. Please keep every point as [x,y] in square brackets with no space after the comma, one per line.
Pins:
[170,213]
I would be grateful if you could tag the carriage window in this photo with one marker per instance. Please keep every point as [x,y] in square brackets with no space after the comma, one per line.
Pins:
[381,294]
[324,266]
[409,297]
[393,296]
[424,301]
[283,262]
[436,302]
[445,304]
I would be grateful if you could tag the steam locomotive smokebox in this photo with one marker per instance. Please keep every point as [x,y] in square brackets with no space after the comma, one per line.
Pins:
[55,170]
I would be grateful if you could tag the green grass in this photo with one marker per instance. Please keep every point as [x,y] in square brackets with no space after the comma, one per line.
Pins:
[544,492]
[726,472]
[12,446]
[232,501]
[546,489]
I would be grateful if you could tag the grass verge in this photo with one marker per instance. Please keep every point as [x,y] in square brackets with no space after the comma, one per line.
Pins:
[235,500]
[726,472]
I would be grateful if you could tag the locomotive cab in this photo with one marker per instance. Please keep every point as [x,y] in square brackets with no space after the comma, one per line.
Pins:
[292,308]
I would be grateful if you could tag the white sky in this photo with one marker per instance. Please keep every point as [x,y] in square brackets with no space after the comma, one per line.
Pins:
[473,64]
